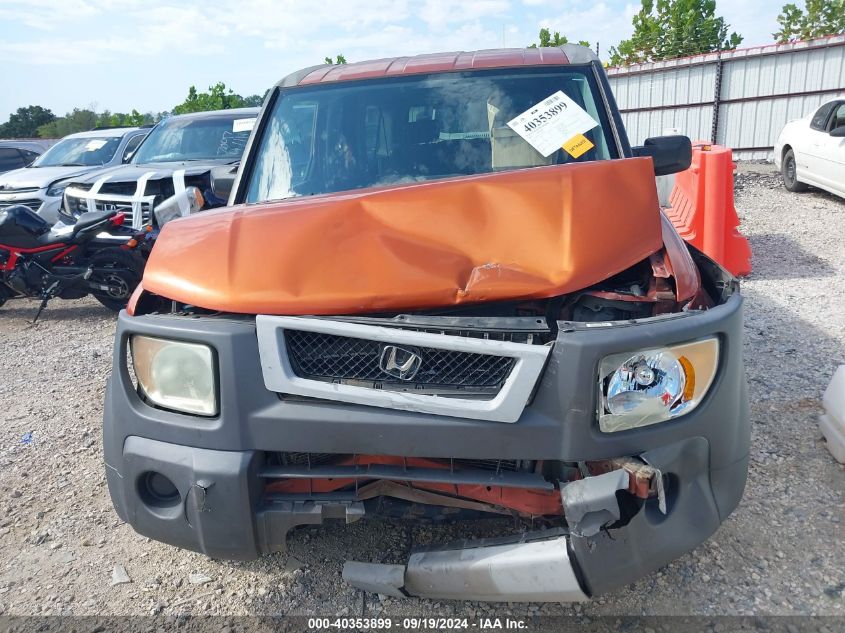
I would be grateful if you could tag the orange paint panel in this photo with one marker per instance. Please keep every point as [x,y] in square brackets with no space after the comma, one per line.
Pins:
[533,233]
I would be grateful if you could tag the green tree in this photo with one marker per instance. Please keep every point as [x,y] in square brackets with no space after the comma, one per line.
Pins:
[340,60]
[790,20]
[820,17]
[217,98]
[77,120]
[546,39]
[135,118]
[674,28]
[25,122]
[254,101]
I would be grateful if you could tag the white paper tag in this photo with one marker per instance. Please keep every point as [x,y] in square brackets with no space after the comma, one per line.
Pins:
[94,145]
[243,125]
[552,122]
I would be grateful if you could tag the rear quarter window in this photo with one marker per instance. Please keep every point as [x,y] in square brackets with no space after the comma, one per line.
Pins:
[820,117]
[10,159]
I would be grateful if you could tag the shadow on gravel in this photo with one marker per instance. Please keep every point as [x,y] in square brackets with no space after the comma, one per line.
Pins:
[779,256]
[25,311]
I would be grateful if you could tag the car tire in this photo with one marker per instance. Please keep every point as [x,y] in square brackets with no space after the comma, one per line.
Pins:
[789,173]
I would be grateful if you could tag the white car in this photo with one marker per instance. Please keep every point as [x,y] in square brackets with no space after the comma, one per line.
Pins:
[811,151]
[40,186]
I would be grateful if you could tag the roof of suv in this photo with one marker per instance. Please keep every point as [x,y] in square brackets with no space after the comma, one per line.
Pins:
[108,132]
[245,112]
[37,145]
[440,63]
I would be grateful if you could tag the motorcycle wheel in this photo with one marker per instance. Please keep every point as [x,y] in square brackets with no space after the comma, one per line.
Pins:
[125,270]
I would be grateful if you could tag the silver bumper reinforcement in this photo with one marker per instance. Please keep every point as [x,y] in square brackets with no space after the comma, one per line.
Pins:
[534,571]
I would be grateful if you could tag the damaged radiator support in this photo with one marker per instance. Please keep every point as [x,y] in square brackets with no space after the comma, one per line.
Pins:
[585,495]
[499,487]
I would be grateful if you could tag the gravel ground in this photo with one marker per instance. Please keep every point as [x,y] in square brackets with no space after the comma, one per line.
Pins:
[781,552]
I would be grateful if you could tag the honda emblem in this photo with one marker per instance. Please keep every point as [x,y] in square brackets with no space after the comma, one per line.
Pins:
[399,362]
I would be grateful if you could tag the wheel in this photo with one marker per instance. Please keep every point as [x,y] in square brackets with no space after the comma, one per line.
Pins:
[123,272]
[789,172]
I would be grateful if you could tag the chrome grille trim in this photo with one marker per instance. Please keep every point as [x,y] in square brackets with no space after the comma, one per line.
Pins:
[32,203]
[505,406]
[138,209]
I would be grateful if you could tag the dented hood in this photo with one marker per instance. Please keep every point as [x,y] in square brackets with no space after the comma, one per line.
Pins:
[532,233]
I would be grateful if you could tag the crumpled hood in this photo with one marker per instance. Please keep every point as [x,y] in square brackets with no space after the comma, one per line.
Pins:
[532,233]
[131,173]
[39,177]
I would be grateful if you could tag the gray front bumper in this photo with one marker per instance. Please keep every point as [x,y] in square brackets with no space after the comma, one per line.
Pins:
[213,462]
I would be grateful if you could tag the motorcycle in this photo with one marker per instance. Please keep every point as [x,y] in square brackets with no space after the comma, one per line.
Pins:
[68,262]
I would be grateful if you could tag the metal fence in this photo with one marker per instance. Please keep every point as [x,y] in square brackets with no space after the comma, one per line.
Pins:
[739,98]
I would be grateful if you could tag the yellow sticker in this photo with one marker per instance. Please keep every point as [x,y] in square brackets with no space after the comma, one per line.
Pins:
[578,145]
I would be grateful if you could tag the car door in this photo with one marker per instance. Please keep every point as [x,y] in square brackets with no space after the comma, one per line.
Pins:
[831,168]
[10,159]
[808,153]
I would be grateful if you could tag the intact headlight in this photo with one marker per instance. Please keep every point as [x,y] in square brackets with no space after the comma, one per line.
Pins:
[175,375]
[655,385]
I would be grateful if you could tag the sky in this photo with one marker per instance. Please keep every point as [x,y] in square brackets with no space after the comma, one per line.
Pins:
[144,54]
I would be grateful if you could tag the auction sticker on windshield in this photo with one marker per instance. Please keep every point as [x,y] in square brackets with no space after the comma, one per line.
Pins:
[243,125]
[93,146]
[554,123]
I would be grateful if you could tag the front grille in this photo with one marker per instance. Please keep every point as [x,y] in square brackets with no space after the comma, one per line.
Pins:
[120,188]
[303,459]
[79,206]
[17,191]
[32,203]
[333,358]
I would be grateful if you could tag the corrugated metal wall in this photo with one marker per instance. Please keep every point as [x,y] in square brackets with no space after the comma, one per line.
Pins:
[758,89]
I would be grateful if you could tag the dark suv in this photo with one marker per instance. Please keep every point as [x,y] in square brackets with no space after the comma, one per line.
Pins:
[179,152]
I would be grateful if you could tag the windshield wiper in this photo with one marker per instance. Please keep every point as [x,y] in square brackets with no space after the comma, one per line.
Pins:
[72,165]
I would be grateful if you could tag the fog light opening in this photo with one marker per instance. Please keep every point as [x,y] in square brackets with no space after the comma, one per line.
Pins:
[157,490]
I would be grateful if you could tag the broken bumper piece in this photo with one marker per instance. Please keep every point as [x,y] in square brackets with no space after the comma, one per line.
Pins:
[527,570]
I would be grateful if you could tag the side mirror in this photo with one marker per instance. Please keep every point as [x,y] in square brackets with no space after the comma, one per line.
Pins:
[222,180]
[838,132]
[670,154]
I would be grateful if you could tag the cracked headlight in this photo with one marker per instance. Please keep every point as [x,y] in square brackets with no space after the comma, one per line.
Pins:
[655,385]
[175,375]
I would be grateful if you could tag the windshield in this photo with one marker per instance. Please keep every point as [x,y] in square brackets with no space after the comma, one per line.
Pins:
[351,135]
[213,138]
[88,151]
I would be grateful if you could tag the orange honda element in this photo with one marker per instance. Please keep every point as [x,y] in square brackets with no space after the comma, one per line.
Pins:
[444,289]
